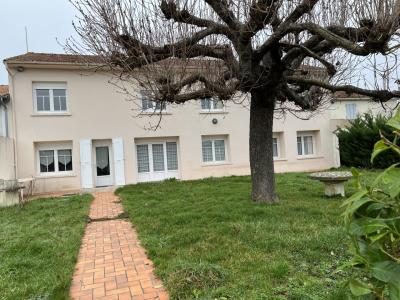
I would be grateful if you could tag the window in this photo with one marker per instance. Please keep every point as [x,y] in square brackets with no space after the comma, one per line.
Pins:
[143,158]
[305,145]
[50,98]
[64,160]
[211,104]
[275,152]
[55,160]
[213,150]
[351,111]
[3,121]
[157,157]
[149,105]
[46,161]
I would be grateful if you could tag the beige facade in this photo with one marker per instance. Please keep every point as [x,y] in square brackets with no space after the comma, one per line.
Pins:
[99,122]
[6,140]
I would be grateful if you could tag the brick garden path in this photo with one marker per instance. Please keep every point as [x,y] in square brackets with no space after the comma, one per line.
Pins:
[111,263]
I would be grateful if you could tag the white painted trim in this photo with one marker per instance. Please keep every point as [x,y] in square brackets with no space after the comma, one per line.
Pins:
[119,161]
[85,150]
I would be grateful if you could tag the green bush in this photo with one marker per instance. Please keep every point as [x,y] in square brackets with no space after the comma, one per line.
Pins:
[372,218]
[357,140]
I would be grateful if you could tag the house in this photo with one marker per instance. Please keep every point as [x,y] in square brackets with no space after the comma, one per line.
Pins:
[6,142]
[73,129]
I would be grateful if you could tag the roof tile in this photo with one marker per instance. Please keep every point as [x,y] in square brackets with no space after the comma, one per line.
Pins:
[33,57]
[3,90]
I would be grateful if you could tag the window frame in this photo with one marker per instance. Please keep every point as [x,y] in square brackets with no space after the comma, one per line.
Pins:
[302,135]
[352,104]
[278,147]
[212,106]
[55,149]
[213,139]
[51,87]
[149,145]
[151,110]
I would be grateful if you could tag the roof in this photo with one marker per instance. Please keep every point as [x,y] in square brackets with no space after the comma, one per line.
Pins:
[345,95]
[33,57]
[3,90]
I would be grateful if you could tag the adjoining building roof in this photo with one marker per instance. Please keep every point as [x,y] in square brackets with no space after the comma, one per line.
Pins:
[344,95]
[33,57]
[3,90]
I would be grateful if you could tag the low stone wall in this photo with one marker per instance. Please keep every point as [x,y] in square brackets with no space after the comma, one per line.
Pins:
[9,193]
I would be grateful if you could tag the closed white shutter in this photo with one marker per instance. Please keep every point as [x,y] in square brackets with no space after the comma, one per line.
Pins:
[86,163]
[119,168]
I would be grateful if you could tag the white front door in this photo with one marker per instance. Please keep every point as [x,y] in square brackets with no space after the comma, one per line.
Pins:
[103,165]
[157,161]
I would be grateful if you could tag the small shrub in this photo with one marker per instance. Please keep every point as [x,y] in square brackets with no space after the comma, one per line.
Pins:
[189,279]
[372,218]
[356,142]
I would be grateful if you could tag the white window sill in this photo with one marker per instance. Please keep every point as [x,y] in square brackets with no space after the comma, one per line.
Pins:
[216,163]
[55,175]
[303,157]
[213,112]
[155,113]
[51,114]
[280,159]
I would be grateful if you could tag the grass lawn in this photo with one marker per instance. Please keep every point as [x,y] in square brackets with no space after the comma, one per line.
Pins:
[209,241]
[39,245]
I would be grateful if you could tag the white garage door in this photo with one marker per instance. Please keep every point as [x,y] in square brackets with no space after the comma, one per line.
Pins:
[157,161]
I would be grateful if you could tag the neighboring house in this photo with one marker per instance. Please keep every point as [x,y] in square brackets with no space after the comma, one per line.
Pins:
[348,107]
[74,130]
[6,142]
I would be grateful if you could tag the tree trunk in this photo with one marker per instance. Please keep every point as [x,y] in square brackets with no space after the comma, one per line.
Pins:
[261,153]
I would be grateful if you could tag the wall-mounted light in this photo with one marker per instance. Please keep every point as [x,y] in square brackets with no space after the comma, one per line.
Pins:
[214,121]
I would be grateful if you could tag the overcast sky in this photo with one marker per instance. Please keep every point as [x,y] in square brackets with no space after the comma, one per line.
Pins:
[49,24]
[46,20]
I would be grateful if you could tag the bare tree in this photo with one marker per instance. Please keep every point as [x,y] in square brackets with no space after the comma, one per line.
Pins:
[192,49]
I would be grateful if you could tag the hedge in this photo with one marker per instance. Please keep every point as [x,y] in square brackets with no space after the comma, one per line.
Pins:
[357,140]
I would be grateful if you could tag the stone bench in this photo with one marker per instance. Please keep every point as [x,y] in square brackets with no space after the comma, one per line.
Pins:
[334,181]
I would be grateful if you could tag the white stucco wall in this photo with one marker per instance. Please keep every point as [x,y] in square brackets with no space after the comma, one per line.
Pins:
[98,112]
[6,158]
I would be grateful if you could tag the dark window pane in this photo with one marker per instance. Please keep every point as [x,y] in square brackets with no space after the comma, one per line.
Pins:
[172,156]
[158,157]
[59,92]
[143,158]
[46,161]
[64,160]
[206,104]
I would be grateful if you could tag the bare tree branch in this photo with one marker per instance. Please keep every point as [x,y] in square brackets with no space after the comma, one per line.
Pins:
[376,95]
